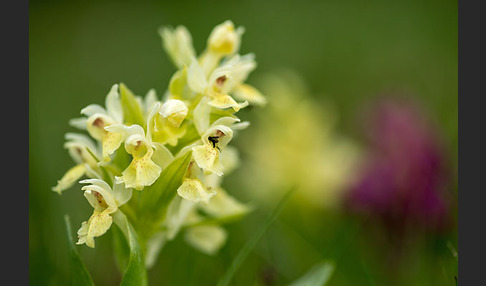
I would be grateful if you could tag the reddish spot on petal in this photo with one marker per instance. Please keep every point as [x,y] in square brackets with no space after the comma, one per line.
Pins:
[220,80]
[99,123]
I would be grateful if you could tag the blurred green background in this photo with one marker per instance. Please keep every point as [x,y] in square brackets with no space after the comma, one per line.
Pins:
[347,51]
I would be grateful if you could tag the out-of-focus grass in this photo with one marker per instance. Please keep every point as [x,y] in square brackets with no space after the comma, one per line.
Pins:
[348,52]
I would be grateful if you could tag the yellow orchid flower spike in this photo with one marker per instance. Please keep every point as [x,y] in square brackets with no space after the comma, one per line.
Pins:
[175,149]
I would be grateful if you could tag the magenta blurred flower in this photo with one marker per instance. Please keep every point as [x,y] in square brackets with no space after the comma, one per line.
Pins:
[405,175]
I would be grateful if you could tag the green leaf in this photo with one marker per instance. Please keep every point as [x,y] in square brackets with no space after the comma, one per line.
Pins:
[121,249]
[318,275]
[248,247]
[178,84]
[79,272]
[157,197]
[135,273]
[132,110]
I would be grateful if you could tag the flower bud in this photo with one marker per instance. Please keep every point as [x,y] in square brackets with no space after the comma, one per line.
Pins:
[224,39]
[174,111]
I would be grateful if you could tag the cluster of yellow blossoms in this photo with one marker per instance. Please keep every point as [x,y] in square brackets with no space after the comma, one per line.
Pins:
[134,139]
[310,152]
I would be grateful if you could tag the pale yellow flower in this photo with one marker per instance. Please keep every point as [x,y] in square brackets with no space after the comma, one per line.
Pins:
[105,202]
[224,40]
[164,122]
[215,86]
[210,238]
[142,171]
[178,45]
[79,147]
[214,140]
[194,190]
[297,142]
[206,238]
[98,118]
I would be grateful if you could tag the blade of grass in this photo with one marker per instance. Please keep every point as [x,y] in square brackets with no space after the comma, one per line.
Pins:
[79,272]
[367,272]
[248,247]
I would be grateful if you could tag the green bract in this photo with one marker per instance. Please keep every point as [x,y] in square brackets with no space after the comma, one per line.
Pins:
[154,166]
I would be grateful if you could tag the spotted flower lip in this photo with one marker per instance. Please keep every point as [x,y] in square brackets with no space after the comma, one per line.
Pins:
[142,171]
[214,139]
[105,201]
